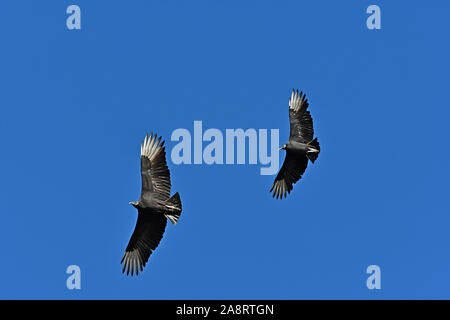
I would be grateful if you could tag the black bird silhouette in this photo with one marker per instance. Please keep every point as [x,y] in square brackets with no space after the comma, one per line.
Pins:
[300,147]
[154,207]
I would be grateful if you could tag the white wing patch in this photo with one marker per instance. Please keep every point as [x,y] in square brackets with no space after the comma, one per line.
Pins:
[132,262]
[151,147]
[157,176]
[297,100]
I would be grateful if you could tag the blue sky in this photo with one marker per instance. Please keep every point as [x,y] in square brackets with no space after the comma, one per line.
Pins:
[75,106]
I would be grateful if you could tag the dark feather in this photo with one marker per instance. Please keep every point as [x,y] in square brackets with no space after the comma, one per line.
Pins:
[154,206]
[146,237]
[154,170]
[301,124]
[292,170]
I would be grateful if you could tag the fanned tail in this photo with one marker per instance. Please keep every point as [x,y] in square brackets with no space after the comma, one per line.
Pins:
[314,150]
[173,206]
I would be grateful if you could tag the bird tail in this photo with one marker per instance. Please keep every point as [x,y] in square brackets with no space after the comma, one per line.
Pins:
[173,206]
[313,153]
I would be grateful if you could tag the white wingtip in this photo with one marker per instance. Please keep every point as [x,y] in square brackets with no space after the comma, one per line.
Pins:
[151,147]
[297,100]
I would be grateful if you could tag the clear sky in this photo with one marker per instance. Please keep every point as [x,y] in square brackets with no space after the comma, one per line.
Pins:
[75,105]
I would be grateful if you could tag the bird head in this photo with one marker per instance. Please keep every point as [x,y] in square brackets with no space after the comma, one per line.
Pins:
[134,203]
[283,147]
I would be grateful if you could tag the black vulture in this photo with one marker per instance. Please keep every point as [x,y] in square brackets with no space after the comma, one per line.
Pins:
[301,146]
[154,207]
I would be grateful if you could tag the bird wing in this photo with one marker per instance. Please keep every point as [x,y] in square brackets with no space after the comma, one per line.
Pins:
[300,119]
[291,171]
[147,234]
[154,170]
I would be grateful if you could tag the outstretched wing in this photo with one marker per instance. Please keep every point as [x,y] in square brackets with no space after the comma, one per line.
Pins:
[291,171]
[154,170]
[300,119]
[147,234]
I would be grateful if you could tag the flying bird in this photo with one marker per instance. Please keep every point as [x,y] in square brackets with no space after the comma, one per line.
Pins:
[154,207]
[301,146]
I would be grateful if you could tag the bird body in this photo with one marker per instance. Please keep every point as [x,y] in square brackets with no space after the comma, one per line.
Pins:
[301,147]
[154,206]
[297,147]
[153,201]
